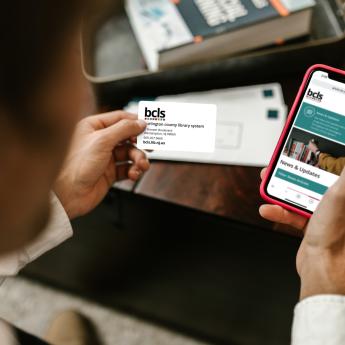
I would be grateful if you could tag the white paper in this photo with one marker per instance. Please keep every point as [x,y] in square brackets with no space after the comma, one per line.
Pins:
[245,134]
[179,126]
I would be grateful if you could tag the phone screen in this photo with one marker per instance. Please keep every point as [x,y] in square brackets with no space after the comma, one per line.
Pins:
[313,154]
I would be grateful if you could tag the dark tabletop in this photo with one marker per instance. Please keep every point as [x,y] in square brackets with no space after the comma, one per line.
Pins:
[231,192]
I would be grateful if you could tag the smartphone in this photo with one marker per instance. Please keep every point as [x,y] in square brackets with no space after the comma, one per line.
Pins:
[310,154]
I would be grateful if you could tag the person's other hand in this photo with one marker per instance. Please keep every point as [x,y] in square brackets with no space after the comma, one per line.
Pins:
[277,214]
[321,256]
[101,154]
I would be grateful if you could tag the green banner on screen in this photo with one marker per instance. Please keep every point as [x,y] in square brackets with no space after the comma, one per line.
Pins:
[301,181]
[322,122]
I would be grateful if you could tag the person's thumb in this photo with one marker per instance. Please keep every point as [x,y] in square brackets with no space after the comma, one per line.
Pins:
[122,130]
[341,182]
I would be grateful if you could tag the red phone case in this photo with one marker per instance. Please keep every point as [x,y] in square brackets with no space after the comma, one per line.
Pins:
[280,144]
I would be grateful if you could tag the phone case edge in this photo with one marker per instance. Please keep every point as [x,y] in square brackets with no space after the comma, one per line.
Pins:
[264,182]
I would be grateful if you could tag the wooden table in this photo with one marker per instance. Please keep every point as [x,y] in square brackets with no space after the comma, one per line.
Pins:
[231,192]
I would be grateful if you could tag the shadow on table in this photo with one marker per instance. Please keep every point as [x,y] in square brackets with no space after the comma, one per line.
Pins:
[194,273]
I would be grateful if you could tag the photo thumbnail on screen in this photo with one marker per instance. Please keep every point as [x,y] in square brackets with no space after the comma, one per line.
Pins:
[314,151]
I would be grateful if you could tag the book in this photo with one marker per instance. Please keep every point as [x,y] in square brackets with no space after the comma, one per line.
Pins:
[305,155]
[287,149]
[297,150]
[293,148]
[181,32]
[301,148]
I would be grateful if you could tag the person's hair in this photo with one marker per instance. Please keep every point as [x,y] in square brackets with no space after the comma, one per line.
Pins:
[32,34]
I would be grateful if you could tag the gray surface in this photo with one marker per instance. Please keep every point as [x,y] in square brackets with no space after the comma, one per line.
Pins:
[32,306]
[117,51]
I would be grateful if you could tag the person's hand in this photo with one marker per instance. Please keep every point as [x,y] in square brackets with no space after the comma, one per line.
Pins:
[101,154]
[277,214]
[313,147]
[321,256]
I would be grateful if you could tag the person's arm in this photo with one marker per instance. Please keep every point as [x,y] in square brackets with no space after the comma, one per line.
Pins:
[320,316]
[319,320]
[58,230]
[102,152]
[7,334]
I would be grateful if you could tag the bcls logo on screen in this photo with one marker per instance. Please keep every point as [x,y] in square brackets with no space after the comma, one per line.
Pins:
[315,96]
[157,114]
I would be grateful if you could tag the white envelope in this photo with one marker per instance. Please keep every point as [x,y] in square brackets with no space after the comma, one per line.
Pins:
[248,125]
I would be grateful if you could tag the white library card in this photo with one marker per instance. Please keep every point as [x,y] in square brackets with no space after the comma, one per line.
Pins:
[188,127]
[249,122]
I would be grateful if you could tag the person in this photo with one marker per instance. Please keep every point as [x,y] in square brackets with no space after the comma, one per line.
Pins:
[42,96]
[43,187]
[319,317]
[326,161]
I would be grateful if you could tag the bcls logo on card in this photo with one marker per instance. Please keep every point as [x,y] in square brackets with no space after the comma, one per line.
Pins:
[315,96]
[157,114]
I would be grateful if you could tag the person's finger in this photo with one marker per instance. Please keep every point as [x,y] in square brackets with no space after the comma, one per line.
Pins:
[136,155]
[139,166]
[134,173]
[263,173]
[134,162]
[128,152]
[341,181]
[108,119]
[277,214]
[128,171]
[120,131]
[143,164]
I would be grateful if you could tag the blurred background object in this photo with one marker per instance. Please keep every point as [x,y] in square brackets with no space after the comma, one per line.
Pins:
[185,32]
[112,40]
